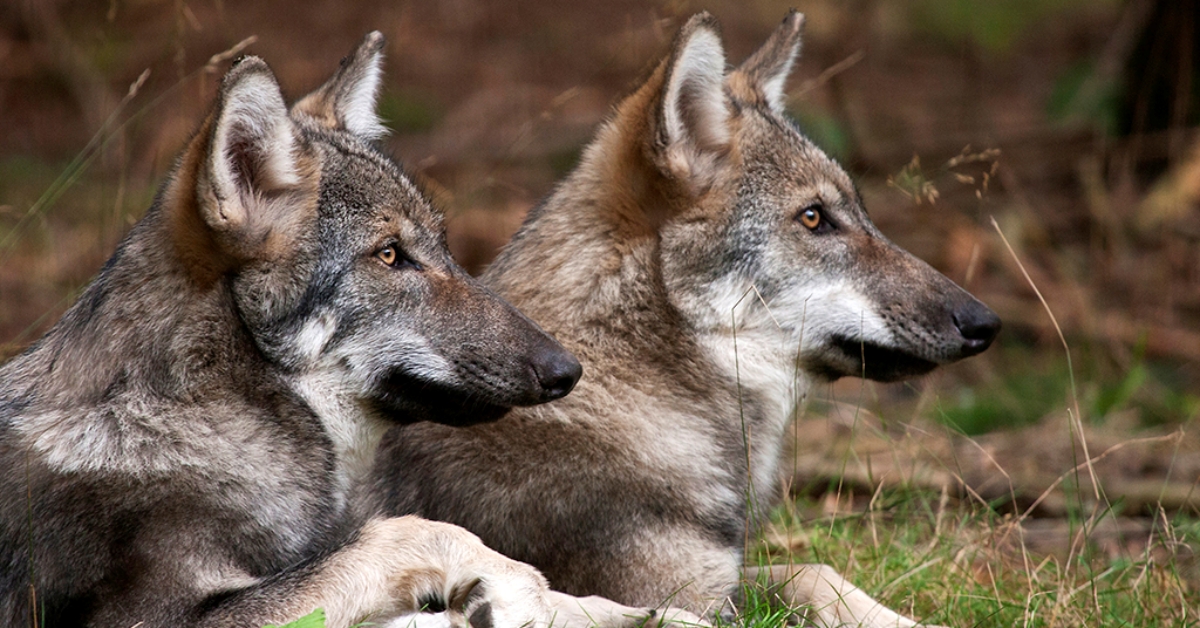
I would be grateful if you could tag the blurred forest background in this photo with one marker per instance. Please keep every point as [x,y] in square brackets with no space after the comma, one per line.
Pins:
[1070,123]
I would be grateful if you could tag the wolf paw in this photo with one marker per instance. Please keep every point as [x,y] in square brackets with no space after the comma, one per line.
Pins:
[598,612]
[424,620]
[498,593]
[514,598]
[480,605]
[437,575]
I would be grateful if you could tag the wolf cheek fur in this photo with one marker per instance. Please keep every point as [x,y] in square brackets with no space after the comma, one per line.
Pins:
[187,445]
[706,262]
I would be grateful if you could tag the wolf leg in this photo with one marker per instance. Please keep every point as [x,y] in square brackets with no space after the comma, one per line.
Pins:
[830,600]
[395,568]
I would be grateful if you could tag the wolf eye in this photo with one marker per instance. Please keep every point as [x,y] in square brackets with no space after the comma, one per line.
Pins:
[811,217]
[392,256]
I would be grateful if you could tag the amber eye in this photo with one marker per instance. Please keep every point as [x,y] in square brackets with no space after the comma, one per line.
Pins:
[388,255]
[394,257]
[810,217]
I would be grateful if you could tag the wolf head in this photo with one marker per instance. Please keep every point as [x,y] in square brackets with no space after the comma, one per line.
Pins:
[758,234]
[338,264]
[772,233]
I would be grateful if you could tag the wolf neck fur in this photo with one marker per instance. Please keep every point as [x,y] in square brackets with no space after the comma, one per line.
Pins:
[106,345]
[108,331]
[354,431]
[121,355]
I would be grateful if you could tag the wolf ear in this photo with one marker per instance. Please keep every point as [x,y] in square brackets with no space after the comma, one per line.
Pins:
[693,115]
[347,100]
[766,71]
[252,150]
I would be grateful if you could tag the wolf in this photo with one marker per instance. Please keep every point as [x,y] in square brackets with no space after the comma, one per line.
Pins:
[188,445]
[707,263]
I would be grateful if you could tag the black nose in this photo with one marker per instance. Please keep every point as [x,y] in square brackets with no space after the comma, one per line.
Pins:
[557,371]
[978,325]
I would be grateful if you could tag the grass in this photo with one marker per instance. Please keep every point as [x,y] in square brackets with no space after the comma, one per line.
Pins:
[967,565]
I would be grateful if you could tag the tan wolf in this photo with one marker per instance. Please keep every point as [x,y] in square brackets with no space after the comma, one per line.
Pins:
[707,263]
[188,445]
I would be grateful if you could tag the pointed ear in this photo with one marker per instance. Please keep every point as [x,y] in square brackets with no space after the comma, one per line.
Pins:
[347,100]
[252,152]
[766,71]
[693,115]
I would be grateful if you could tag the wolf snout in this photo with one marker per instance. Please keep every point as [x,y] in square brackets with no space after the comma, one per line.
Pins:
[556,371]
[978,326]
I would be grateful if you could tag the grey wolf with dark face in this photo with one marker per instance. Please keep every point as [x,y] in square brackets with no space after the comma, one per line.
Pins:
[707,263]
[186,447]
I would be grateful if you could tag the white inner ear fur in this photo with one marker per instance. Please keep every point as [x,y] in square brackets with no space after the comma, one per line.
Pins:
[357,108]
[694,108]
[254,130]
[772,87]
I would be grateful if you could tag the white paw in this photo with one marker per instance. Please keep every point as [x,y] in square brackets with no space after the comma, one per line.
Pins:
[509,595]
[420,620]
[598,612]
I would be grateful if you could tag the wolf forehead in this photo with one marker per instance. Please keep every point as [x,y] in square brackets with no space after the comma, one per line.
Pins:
[782,173]
[370,184]
[779,154]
